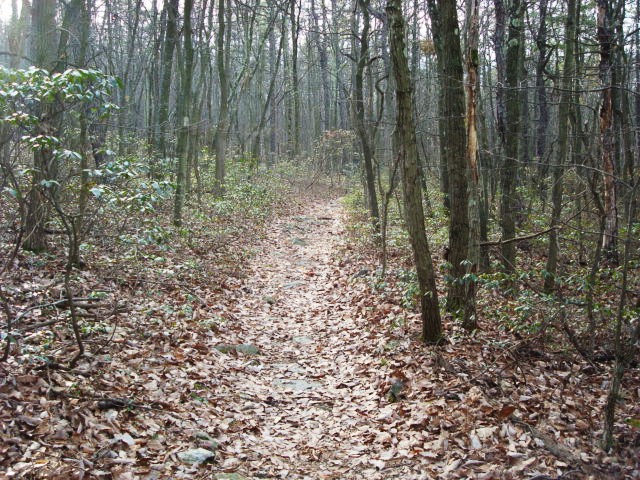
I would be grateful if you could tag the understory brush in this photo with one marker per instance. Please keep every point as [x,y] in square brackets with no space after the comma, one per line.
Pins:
[130,251]
[526,336]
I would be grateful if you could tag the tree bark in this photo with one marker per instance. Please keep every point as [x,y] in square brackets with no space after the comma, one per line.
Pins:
[361,126]
[453,144]
[542,120]
[182,114]
[170,40]
[509,171]
[606,42]
[412,191]
[43,54]
[474,254]
[223,116]
[564,112]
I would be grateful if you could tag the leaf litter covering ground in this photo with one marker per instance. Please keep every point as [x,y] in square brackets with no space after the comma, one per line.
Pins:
[314,376]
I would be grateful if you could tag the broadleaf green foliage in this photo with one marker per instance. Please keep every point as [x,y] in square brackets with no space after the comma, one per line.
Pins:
[23,91]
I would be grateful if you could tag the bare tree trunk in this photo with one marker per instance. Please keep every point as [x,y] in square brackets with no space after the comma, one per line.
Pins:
[223,118]
[43,54]
[566,100]
[606,41]
[453,144]
[295,88]
[361,127]
[472,158]
[269,101]
[542,120]
[170,40]
[509,170]
[126,89]
[498,44]
[438,32]
[407,151]
[183,120]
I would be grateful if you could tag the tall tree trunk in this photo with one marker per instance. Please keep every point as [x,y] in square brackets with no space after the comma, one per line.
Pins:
[438,33]
[542,120]
[412,192]
[295,88]
[43,54]
[509,171]
[223,116]
[182,114]
[564,112]
[472,157]
[501,68]
[170,40]
[269,101]
[78,221]
[16,32]
[273,104]
[361,127]
[453,148]
[606,42]
[126,90]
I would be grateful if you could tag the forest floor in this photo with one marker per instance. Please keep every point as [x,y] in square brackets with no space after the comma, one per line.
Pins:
[296,365]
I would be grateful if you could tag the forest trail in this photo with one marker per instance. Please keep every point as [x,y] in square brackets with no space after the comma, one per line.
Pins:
[307,403]
[292,366]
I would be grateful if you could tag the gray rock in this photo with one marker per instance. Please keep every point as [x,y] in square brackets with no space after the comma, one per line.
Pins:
[244,348]
[296,385]
[229,476]
[196,456]
[225,348]
[247,349]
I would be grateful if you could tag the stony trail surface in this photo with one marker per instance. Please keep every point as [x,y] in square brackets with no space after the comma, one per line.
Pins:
[309,399]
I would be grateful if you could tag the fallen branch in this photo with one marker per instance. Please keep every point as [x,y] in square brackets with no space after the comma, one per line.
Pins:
[558,450]
[519,239]
[84,303]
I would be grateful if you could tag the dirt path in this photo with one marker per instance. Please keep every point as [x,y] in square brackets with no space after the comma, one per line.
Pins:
[307,401]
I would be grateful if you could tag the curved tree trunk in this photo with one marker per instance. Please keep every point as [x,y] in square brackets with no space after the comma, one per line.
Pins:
[407,151]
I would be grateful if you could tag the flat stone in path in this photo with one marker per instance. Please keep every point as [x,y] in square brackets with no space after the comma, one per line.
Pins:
[296,385]
[243,348]
[303,340]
